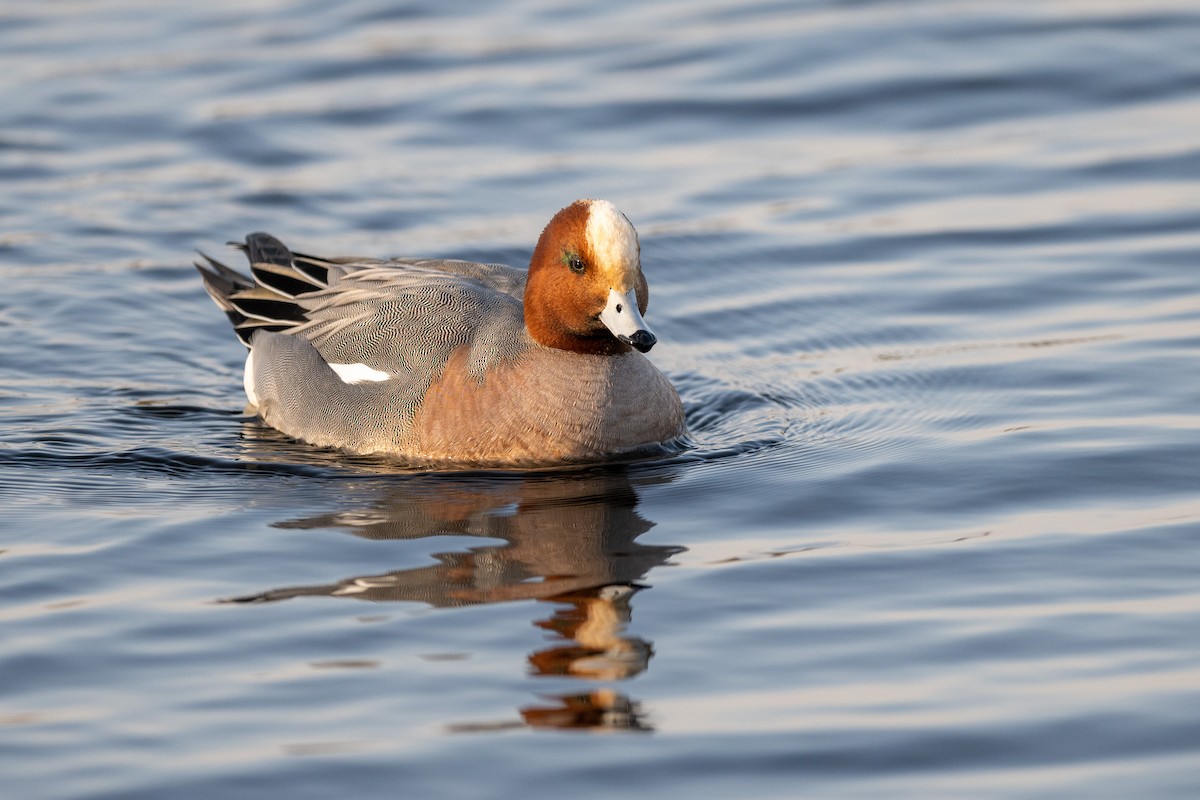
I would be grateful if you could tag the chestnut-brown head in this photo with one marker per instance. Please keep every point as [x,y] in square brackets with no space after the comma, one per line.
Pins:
[585,290]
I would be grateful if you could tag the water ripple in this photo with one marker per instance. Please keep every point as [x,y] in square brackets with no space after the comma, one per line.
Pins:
[923,273]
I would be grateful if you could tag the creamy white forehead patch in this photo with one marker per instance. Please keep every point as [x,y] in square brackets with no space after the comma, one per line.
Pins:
[612,239]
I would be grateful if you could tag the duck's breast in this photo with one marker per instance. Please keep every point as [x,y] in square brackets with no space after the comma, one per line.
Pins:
[546,405]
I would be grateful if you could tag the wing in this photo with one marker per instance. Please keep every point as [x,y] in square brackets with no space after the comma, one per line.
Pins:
[400,316]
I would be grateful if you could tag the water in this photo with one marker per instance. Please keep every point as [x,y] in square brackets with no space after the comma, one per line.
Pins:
[925,275]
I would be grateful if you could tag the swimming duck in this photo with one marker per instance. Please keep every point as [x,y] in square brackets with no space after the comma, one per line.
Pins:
[437,360]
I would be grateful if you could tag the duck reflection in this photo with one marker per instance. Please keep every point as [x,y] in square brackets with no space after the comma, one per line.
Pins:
[568,540]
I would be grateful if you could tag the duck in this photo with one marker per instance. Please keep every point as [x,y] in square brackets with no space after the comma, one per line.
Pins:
[451,362]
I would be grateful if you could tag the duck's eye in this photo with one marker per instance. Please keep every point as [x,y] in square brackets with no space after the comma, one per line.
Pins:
[573,261]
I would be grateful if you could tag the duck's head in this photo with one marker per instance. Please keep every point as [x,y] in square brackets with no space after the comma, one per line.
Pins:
[585,291]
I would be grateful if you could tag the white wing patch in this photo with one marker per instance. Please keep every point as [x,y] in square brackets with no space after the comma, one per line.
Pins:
[358,373]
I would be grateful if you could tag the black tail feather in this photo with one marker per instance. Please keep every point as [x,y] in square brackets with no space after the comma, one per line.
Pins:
[266,302]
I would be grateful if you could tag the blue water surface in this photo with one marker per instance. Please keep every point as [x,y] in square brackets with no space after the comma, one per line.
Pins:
[926,275]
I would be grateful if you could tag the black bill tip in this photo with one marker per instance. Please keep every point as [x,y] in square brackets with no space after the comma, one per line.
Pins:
[641,340]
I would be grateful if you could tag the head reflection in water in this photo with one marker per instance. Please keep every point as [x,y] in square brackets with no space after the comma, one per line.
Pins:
[569,540]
